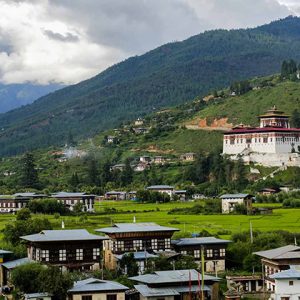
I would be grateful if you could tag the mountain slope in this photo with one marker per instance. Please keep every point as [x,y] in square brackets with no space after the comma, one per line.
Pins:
[168,75]
[15,95]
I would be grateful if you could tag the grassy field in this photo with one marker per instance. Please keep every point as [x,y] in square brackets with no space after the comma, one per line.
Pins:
[223,225]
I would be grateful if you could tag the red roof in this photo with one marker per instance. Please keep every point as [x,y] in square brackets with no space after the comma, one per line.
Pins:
[263,129]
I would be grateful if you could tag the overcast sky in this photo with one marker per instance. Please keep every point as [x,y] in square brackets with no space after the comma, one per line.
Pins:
[66,41]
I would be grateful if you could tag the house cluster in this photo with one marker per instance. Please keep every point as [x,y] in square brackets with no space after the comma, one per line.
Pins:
[82,251]
[13,203]
[163,189]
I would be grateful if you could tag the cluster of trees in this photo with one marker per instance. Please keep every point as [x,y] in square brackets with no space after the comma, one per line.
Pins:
[240,87]
[214,173]
[152,196]
[47,206]
[289,69]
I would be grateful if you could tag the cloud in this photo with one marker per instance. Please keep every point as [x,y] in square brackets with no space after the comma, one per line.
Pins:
[66,41]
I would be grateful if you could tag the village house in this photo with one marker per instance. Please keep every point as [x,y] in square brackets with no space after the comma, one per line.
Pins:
[268,191]
[134,237]
[118,167]
[145,159]
[96,289]
[139,122]
[111,139]
[180,194]
[74,249]
[247,284]
[166,189]
[273,143]
[140,130]
[71,199]
[214,251]
[175,284]
[229,202]
[13,203]
[188,156]
[277,260]
[141,166]
[159,160]
[115,195]
[287,284]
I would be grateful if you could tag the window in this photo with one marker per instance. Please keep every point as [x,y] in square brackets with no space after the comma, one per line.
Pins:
[231,141]
[96,253]
[111,297]
[248,141]
[183,252]
[62,254]
[209,253]
[79,254]
[45,255]
[196,253]
[167,243]
[137,244]
[265,139]
[291,282]
[86,297]
[154,244]
[37,254]
[119,246]
[222,252]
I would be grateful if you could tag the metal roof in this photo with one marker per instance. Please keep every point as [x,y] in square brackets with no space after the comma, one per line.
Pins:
[160,187]
[135,227]
[62,235]
[139,255]
[199,241]
[146,291]
[235,196]
[96,285]
[5,251]
[67,194]
[292,273]
[172,277]
[15,263]
[28,194]
[289,251]
[37,295]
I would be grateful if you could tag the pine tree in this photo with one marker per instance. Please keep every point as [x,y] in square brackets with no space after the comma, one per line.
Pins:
[29,174]
[74,181]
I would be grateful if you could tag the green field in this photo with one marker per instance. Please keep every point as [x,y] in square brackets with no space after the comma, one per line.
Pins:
[281,219]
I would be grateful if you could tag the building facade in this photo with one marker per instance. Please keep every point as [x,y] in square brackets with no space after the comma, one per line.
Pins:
[273,143]
[214,251]
[75,249]
[134,237]
[229,202]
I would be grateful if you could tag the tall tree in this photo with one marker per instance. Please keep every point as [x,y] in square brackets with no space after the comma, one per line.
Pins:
[29,174]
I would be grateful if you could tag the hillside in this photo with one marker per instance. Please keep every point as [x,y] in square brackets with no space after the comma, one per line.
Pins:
[169,75]
[166,136]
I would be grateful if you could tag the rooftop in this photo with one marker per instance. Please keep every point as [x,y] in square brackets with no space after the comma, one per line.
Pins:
[67,194]
[199,241]
[96,285]
[37,295]
[62,235]
[285,252]
[15,263]
[135,227]
[138,255]
[160,187]
[174,276]
[292,273]
[234,196]
[263,129]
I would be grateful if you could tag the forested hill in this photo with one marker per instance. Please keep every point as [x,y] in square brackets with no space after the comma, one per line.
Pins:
[171,74]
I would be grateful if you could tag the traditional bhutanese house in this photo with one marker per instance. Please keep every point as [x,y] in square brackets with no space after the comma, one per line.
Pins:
[140,257]
[214,251]
[146,159]
[7,267]
[229,201]
[176,284]
[140,130]
[118,167]
[287,284]
[159,160]
[75,249]
[13,203]
[277,260]
[181,194]
[133,237]
[111,139]
[71,199]
[141,166]
[115,195]
[188,156]
[38,296]
[164,189]
[270,144]
[248,284]
[138,122]
[131,195]
[268,191]
[96,289]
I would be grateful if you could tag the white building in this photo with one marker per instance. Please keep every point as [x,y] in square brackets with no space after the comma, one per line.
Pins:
[229,201]
[273,143]
[287,284]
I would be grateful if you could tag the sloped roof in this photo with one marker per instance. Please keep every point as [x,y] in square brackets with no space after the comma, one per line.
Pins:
[67,194]
[199,241]
[18,262]
[235,196]
[96,285]
[135,227]
[139,255]
[62,235]
[292,273]
[37,295]
[289,251]
[174,276]
[162,187]
[146,291]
